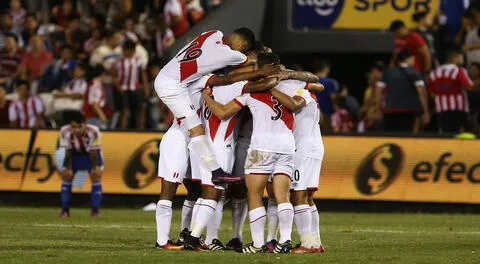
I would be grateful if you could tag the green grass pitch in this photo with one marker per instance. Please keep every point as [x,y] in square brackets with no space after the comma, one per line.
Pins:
[37,235]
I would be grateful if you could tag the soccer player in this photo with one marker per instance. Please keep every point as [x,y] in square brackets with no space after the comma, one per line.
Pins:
[270,155]
[83,151]
[207,53]
[174,156]
[130,70]
[220,131]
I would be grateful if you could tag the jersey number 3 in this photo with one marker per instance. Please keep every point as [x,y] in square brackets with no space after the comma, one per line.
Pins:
[277,109]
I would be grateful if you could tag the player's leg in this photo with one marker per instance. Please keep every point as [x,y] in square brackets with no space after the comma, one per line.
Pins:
[304,170]
[239,214]
[212,238]
[124,112]
[96,179]
[179,102]
[281,187]
[172,167]
[194,190]
[272,217]
[66,191]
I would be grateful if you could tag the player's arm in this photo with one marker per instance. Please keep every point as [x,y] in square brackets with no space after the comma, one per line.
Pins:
[244,76]
[314,87]
[218,109]
[291,103]
[302,76]
[67,162]
[261,85]
[146,85]
[427,57]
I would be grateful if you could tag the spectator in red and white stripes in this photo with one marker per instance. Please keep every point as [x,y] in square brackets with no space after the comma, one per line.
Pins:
[341,119]
[27,111]
[130,70]
[94,107]
[447,84]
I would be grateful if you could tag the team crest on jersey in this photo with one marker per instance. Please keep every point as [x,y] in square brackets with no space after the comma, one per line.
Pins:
[316,13]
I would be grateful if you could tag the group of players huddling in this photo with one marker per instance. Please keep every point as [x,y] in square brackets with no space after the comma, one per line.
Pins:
[275,145]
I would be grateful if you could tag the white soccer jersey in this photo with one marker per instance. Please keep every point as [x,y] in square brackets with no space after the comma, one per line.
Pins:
[308,139]
[272,123]
[90,140]
[205,54]
[221,131]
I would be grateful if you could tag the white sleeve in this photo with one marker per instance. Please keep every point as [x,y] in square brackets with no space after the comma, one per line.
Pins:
[174,7]
[64,142]
[241,100]
[305,94]
[230,57]
[94,143]
[39,109]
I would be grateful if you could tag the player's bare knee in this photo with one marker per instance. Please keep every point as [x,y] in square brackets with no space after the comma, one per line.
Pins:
[168,190]
[95,177]
[209,193]
[67,176]
[197,131]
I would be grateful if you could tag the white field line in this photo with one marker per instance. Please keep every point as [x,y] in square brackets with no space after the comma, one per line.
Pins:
[389,231]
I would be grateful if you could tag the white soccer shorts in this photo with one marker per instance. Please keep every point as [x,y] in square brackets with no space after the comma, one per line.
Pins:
[306,173]
[174,156]
[269,163]
[225,157]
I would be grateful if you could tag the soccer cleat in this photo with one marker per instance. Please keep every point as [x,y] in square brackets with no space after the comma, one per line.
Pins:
[216,245]
[95,213]
[270,245]
[234,244]
[298,249]
[320,249]
[181,238]
[194,244]
[65,213]
[250,249]
[168,246]
[283,248]
[219,176]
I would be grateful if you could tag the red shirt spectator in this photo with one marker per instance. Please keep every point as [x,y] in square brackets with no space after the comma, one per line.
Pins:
[447,84]
[27,111]
[64,12]
[37,59]
[176,14]
[94,106]
[10,58]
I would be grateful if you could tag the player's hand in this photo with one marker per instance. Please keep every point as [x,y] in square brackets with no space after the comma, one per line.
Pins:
[425,118]
[67,174]
[270,69]
[207,91]
[283,75]
[103,119]
[96,171]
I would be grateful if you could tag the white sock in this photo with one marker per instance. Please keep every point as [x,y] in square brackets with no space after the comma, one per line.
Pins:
[163,217]
[303,221]
[257,218]
[205,214]
[214,225]
[272,215]
[204,150]
[187,211]
[315,228]
[239,213]
[285,221]
[195,212]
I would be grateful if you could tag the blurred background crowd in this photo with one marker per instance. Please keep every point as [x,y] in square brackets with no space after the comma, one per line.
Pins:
[100,57]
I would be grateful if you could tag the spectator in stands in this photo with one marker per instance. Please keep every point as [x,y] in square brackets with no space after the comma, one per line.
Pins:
[412,42]
[164,37]
[447,84]
[4,107]
[31,27]
[61,14]
[351,102]
[368,111]
[405,95]
[74,34]
[59,73]
[109,52]
[159,115]
[195,11]
[424,22]
[132,81]
[27,111]
[451,16]
[175,12]
[474,94]
[6,27]
[322,70]
[18,14]
[129,31]
[472,45]
[37,59]
[95,41]
[468,24]
[71,97]
[341,118]
[10,58]
[94,108]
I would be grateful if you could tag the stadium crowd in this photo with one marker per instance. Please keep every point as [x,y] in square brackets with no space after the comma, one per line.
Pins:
[100,57]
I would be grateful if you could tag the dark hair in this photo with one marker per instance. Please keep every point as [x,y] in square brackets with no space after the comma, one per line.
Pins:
[11,35]
[258,47]
[66,46]
[450,54]
[247,35]
[267,58]
[320,65]
[378,65]
[110,33]
[23,82]
[476,64]
[95,71]
[77,117]
[30,14]
[81,66]
[340,101]
[129,45]
[396,25]
[417,17]
[404,55]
